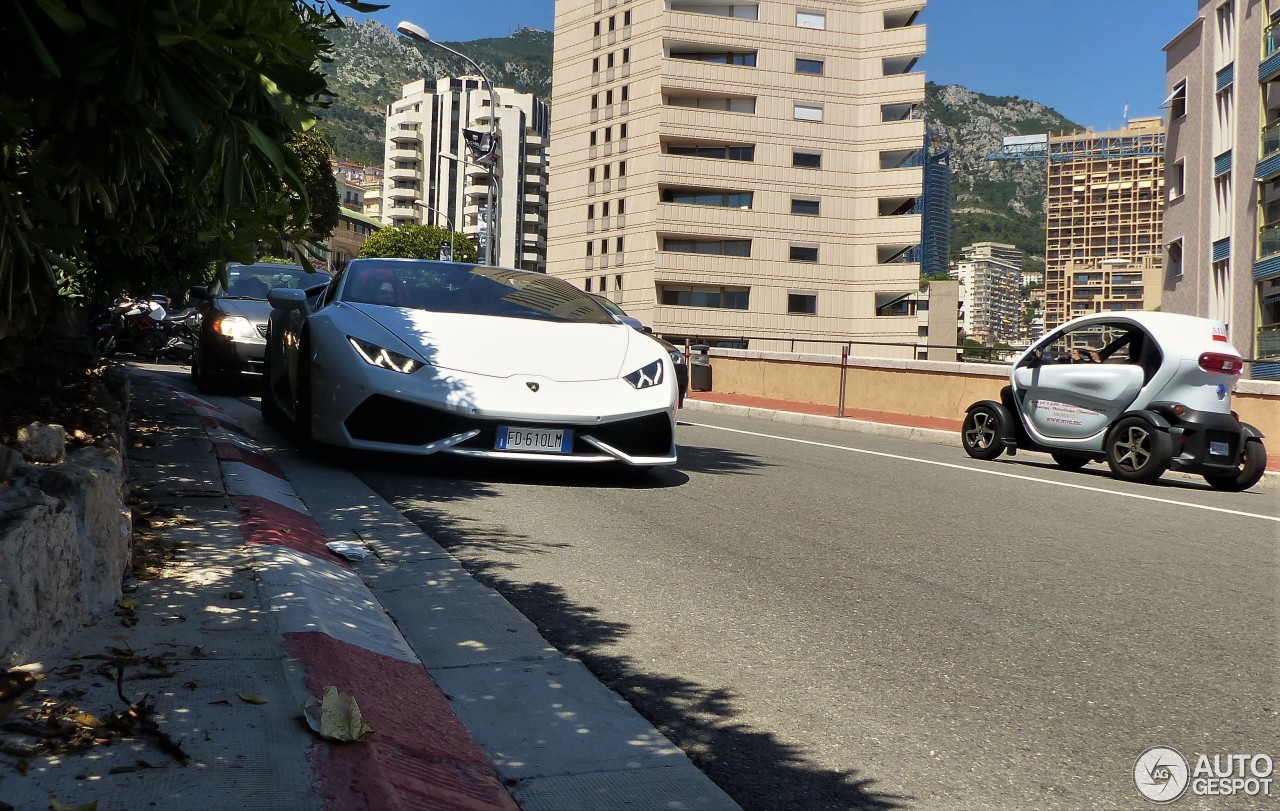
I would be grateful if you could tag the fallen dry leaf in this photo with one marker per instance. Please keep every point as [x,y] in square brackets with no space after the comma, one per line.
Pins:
[336,717]
[54,805]
[251,699]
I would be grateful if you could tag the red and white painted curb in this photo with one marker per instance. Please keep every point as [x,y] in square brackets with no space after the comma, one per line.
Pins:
[420,756]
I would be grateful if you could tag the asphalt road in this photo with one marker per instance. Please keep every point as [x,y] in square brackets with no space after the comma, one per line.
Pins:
[832,620]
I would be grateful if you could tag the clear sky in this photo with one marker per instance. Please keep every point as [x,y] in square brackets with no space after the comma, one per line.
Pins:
[1084,58]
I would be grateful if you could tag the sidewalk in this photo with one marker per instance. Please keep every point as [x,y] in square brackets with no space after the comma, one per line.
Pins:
[190,696]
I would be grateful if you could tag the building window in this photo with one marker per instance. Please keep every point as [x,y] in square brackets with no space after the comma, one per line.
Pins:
[712,247]
[613,22]
[591,174]
[594,138]
[707,197]
[622,168]
[1173,261]
[595,65]
[1177,101]
[805,208]
[806,160]
[608,134]
[745,59]
[732,153]
[626,55]
[604,246]
[626,92]
[617,279]
[618,245]
[596,30]
[591,211]
[608,169]
[591,251]
[608,97]
[622,205]
[622,130]
[603,283]
[626,17]
[802,303]
[813,66]
[1177,179]
[808,112]
[811,19]
[732,105]
[804,253]
[604,209]
[718,298]
[595,101]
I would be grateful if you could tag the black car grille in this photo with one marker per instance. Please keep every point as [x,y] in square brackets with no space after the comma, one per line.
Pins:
[386,419]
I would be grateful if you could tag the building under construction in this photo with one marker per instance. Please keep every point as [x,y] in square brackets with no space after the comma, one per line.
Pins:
[1105,201]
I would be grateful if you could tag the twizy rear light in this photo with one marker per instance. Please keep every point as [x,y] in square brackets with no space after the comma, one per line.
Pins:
[1221,363]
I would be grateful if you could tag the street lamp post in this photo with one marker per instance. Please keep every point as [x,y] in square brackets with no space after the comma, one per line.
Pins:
[420,34]
[445,255]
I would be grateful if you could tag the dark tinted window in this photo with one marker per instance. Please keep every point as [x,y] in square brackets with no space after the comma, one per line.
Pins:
[808,160]
[254,281]
[474,289]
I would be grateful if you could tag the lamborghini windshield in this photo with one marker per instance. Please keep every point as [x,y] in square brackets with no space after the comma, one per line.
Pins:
[448,287]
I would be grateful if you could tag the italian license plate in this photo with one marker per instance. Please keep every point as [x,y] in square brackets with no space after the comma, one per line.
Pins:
[1219,449]
[535,440]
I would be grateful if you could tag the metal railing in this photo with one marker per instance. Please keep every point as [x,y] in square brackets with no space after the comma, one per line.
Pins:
[1269,341]
[1271,40]
[1270,139]
[1269,240]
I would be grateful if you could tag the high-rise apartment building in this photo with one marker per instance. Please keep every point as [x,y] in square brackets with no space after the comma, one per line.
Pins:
[742,172]
[991,277]
[1222,221]
[1105,202]
[935,213]
[430,178]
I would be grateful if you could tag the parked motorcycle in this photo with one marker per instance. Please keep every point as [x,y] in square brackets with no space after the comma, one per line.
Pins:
[145,328]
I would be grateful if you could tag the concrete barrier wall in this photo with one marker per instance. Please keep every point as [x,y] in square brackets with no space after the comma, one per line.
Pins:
[921,388]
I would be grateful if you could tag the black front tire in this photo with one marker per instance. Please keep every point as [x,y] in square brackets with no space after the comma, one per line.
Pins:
[1068,462]
[980,433]
[271,411]
[1137,451]
[1253,463]
[207,381]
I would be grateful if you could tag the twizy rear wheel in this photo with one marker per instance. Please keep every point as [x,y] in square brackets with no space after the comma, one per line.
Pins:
[980,433]
[1253,463]
[1137,451]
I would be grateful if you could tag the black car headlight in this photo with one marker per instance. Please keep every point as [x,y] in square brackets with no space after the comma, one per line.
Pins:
[375,355]
[645,376]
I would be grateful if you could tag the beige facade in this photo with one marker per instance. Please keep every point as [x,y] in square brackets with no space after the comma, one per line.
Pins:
[1105,201]
[991,276]
[742,172]
[430,177]
[1222,222]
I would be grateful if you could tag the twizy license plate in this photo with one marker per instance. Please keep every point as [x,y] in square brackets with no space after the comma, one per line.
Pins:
[1218,449]
[535,440]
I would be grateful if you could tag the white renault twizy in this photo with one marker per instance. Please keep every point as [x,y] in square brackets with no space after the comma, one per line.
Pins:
[1147,392]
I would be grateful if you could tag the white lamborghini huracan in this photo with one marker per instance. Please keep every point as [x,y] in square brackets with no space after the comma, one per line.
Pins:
[422,357]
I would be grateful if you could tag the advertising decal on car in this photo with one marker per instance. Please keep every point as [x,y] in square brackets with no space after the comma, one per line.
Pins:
[1063,413]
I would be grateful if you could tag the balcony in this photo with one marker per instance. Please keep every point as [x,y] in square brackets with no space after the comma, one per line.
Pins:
[1269,152]
[1269,341]
[1270,67]
[405,133]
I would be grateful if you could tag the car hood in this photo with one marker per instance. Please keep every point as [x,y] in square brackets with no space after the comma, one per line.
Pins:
[256,310]
[498,346]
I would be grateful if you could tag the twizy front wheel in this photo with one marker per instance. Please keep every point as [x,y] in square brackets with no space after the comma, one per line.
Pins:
[980,433]
[1137,451]
[1253,463]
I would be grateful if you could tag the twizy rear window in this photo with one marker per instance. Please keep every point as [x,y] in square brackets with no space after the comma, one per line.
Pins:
[447,287]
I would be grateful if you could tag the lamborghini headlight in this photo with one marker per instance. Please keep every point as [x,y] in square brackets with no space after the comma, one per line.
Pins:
[375,355]
[646,376]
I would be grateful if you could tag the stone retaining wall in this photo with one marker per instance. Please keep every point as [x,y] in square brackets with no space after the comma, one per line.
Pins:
[65,530]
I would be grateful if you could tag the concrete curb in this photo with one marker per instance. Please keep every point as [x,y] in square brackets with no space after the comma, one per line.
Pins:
[933,435]
[420,755]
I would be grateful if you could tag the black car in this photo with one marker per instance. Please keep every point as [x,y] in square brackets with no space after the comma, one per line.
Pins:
[234,319]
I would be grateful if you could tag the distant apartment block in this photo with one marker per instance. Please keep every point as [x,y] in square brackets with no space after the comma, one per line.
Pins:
[1222,221]
[429,176]
[742,173]
[990,276]
[1105,200]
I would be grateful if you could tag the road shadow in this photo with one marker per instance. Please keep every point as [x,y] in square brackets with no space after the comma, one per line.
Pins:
[759,770]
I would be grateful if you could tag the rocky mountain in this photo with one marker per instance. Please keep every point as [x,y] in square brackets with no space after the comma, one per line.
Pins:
[998,201]
[1001,201]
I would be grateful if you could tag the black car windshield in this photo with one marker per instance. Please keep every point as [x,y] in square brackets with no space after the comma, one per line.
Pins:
[447,287]
[255,281]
